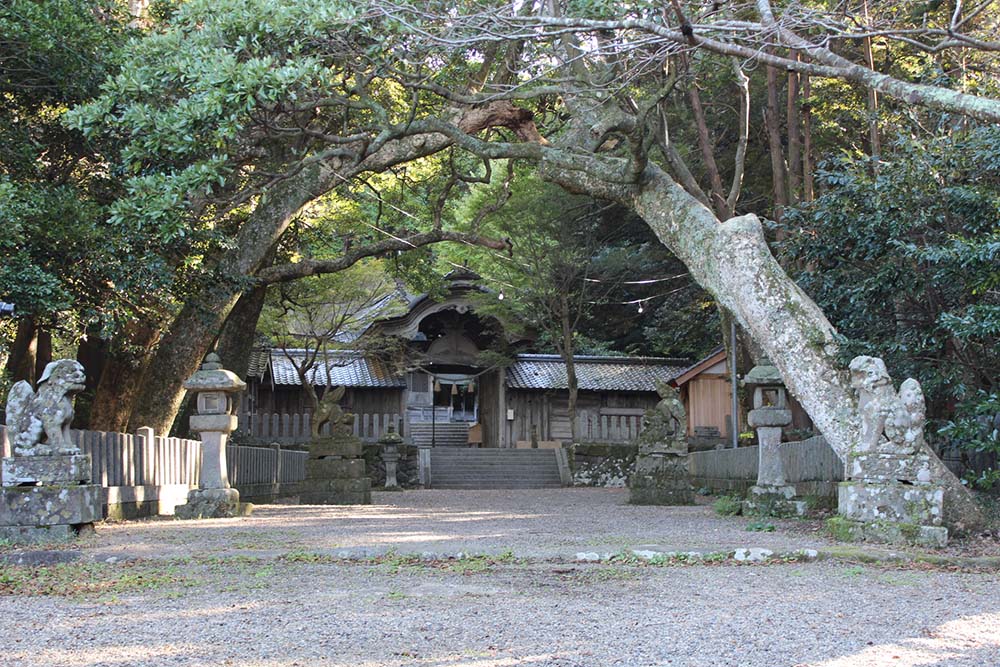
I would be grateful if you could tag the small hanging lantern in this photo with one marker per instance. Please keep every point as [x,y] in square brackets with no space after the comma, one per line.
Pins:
[437,386]
[472,387]
[500,296]
[454,390]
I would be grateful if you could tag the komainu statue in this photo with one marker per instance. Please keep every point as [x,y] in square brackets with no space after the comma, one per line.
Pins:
[328,410]
[661,475]
[39,422]
[665,426]
[891,423]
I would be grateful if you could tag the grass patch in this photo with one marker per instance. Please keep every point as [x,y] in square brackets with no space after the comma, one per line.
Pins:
[728,505]
[760,527]
[86,579]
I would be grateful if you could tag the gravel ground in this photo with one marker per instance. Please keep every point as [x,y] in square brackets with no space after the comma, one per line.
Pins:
[537,523]
[277,614]
[550,523]
[270,591]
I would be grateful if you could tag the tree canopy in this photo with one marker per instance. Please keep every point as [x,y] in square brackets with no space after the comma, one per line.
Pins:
[233,123]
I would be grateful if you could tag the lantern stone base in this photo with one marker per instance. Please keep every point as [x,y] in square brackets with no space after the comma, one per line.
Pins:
[776,501]
[335,473]
[890,512]
[661,480]
[50,512]
[213,504]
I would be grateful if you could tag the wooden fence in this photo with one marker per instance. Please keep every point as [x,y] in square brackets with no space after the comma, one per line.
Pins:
[592,427]
[125,459]
[294,428]
[804,461]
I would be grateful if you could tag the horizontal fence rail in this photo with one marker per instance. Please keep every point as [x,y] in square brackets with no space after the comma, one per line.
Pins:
[804,461]
[293,428]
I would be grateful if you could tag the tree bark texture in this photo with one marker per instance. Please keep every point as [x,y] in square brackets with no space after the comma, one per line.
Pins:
[21,363]
[43,351]
[127,358]
[772,121]
[240,331]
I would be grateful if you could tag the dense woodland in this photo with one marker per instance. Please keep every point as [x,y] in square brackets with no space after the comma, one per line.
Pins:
[174,180]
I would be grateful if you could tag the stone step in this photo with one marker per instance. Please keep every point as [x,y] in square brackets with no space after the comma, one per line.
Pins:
[480,485]
[470,468]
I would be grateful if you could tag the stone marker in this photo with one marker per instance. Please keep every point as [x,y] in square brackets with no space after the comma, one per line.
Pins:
[888,495]
[661,471]
[335,469]
[214,388]
[772,495]
[46,492]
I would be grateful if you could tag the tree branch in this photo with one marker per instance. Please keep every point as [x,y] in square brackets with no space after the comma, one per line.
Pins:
[281,273]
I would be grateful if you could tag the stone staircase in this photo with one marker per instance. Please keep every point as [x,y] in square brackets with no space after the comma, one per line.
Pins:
[465,468]
[445,434]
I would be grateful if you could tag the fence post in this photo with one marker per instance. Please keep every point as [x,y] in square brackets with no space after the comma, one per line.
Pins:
[145,454]
[276,469]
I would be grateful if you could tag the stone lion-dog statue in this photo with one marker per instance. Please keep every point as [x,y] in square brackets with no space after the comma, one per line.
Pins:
[39,422]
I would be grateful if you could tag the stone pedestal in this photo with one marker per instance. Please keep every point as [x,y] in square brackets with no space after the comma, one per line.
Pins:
[47,498]
[213,504]
[774,501]
[772,495]
[891,512]
[335,472]
[890,499]
[661,479]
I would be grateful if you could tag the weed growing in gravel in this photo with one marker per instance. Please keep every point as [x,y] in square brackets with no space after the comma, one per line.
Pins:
[728,505]
[84,580]
[760,527]
[299,556]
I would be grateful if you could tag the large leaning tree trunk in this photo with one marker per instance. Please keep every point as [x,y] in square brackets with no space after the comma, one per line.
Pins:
[732,261]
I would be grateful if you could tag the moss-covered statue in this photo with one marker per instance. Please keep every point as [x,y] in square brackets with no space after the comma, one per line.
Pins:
[39,422]
[661,475]
[891,423]
[664,428]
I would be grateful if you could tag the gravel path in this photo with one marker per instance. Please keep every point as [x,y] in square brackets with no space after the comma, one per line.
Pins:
[311,615]
[271,591]
[536,523]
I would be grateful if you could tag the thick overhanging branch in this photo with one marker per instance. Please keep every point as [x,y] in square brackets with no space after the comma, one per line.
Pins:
[821,62]
[933,97]
[283,273]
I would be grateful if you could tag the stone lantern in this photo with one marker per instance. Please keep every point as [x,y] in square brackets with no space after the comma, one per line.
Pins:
[214,390]
[390,443]
[772,494]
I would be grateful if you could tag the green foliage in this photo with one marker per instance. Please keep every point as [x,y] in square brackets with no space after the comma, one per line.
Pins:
[58,257]
[760,527]
[728,505]
[976,428]
[902,256]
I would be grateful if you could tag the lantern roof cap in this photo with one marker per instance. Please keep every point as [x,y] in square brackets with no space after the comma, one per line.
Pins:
[763,374]
[213,377]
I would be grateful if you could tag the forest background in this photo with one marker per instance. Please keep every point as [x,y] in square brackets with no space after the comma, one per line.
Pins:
[139,142]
